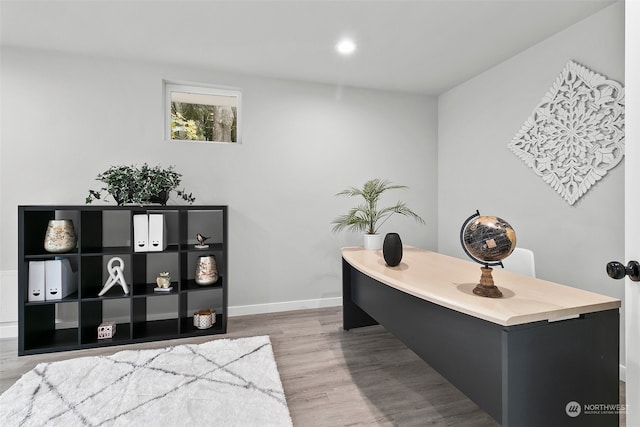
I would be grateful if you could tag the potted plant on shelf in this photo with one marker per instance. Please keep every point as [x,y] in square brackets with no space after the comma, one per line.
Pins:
[139,185]
[367,217]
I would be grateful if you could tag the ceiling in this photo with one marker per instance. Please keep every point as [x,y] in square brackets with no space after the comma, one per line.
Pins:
[424,46]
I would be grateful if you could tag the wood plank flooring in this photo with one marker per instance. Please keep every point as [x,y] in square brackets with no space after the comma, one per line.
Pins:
[363,377]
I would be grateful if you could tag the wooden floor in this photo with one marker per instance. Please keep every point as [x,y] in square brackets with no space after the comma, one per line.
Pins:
[363,377]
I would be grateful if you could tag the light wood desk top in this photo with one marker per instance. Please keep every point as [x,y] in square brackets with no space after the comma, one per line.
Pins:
[449,282]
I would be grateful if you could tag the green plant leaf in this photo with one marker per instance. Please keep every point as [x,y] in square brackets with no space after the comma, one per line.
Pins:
[367,217]
[131,184]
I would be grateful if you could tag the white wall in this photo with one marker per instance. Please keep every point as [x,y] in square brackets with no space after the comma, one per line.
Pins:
[476,170]
[67,118]
[632,210]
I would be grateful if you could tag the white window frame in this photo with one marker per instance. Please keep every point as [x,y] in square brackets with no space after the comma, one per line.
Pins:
[200,89]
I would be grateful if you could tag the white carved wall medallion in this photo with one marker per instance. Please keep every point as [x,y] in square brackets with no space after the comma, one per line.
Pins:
[576,134]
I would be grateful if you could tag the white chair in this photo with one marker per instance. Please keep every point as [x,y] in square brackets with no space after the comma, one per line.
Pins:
[521,261]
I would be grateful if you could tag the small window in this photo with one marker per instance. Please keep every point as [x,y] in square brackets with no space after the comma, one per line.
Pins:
[202,113]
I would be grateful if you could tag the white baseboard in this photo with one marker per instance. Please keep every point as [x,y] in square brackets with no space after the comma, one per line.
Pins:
[275,307]
[8,330]
[8,303]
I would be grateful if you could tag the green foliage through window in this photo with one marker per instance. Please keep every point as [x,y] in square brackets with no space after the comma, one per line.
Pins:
[200,122]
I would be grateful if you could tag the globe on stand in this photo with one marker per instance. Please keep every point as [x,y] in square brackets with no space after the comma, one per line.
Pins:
[487,240]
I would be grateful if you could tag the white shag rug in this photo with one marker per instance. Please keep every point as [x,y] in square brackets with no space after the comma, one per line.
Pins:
[228,382]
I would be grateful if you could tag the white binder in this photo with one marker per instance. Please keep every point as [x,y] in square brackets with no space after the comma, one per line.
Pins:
[60,280]
[140,233]
[36,281]
[157,233]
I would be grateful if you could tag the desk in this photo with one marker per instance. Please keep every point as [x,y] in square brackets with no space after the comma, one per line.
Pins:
[522,358]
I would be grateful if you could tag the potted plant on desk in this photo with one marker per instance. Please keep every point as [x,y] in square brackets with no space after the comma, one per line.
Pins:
[367,217]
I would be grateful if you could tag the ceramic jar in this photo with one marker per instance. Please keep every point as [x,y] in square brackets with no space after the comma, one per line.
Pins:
[204,319]
[206,270]
[60,236]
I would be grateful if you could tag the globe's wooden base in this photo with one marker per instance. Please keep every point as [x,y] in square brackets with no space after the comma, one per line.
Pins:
[486,288]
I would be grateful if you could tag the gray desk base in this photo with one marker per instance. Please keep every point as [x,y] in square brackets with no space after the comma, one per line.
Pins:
[522,375]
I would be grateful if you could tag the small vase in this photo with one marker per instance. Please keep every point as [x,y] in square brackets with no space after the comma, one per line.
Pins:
[392,249]
[373,242]
[206,270]
[204,319]
[60,236]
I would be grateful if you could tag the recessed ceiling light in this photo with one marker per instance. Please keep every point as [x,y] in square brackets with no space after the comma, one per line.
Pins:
[346,47]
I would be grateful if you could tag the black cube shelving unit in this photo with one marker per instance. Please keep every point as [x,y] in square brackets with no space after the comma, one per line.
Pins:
[141,315]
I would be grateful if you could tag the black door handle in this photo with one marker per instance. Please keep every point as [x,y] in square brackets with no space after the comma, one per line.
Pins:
[617,270]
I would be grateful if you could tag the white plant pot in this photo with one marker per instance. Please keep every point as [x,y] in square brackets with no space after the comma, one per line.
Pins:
[373,242]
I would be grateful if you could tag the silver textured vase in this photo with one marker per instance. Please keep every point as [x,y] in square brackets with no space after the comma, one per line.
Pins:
[206,270]
[60,236]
